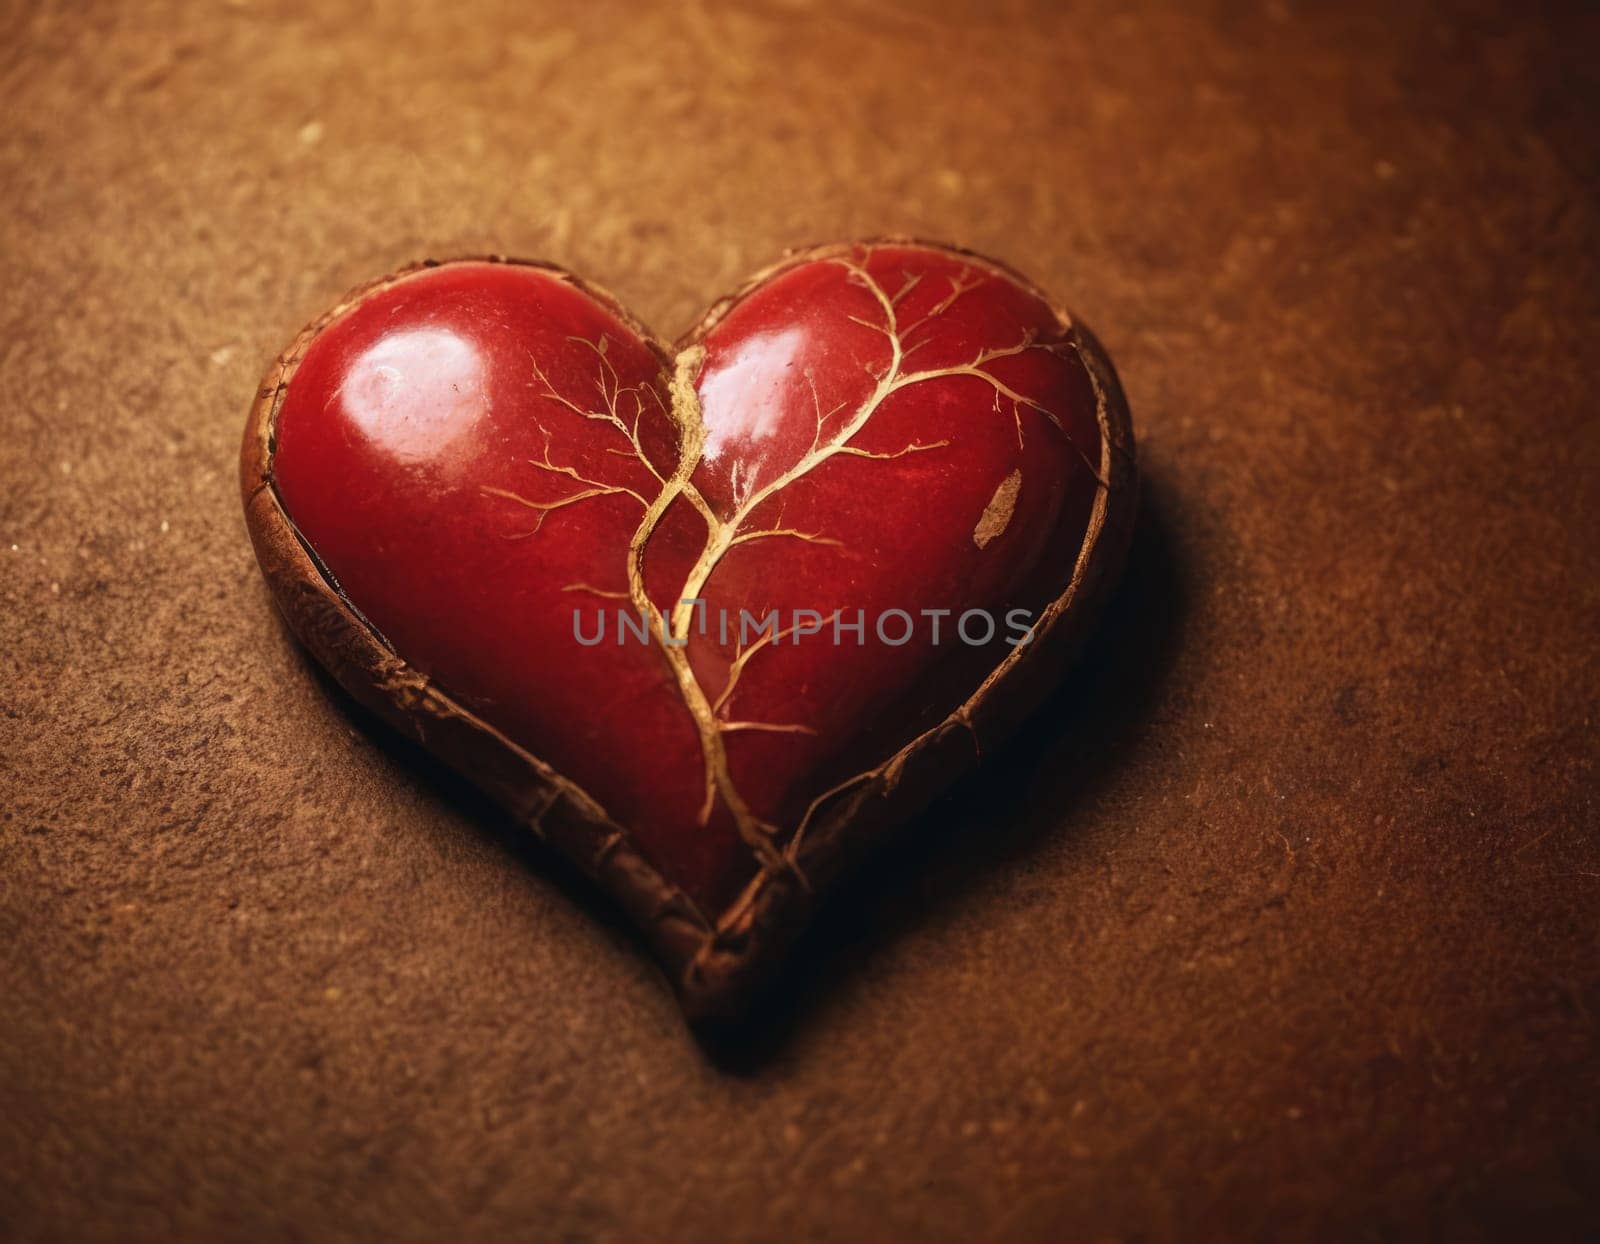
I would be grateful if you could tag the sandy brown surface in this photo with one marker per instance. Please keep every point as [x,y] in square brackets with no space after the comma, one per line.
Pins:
[1281,920]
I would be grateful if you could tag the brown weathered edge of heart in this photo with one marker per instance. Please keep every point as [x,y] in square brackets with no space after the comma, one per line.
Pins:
[715,964]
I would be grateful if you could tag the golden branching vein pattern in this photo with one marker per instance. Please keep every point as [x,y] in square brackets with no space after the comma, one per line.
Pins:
[623,407]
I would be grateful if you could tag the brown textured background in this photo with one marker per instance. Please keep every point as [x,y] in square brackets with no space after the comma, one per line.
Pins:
[1281,920]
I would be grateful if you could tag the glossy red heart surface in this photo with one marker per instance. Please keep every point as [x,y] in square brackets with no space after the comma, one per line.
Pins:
[708,587]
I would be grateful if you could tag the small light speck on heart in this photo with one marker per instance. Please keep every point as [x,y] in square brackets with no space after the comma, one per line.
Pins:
[996,515]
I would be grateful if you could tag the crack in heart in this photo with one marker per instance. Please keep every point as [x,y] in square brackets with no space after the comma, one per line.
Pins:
[724,534]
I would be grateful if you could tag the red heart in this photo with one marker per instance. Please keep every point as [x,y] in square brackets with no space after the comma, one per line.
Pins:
[464,471]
